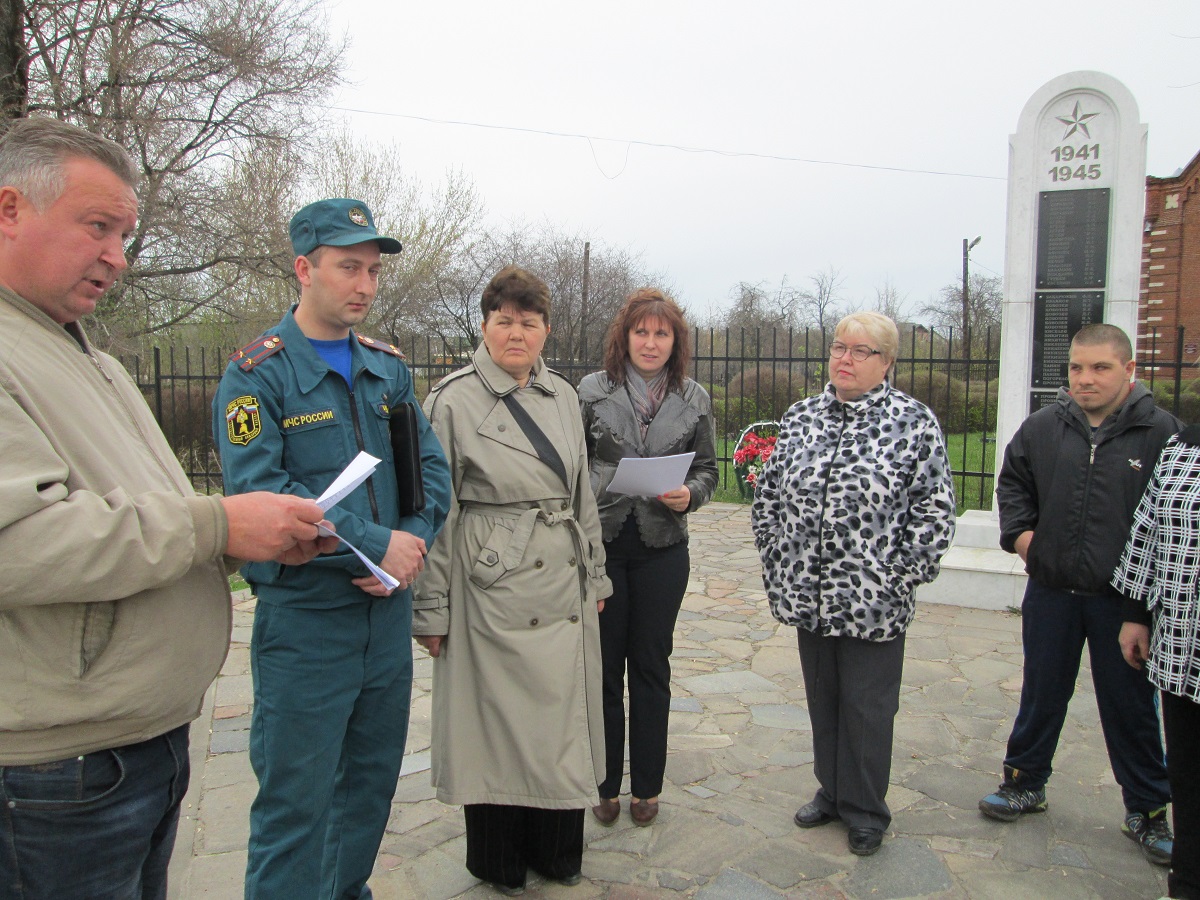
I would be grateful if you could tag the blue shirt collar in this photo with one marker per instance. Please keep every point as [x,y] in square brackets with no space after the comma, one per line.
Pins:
[307,363]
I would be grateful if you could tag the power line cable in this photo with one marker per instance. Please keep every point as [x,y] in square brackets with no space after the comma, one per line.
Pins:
[665,146]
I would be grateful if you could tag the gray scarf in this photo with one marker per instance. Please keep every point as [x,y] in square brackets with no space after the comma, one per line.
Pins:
[646,396]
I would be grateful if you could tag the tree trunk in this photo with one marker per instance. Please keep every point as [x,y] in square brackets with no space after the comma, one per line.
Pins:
[14,71]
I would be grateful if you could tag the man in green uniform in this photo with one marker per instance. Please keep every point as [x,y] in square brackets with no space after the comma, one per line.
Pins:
[331,649]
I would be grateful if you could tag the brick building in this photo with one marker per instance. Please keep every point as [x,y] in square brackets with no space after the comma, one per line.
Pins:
[1170,290]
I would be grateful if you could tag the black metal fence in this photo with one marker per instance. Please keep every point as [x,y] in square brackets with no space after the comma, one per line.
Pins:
[752,375]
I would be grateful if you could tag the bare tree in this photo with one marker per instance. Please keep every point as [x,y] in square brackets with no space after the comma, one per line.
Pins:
[890,302]
[984,300]
[436,225]
[555,256]
[763,321]
[821,304]
[615,272]
[14,64]
[578,328]
[455,315]
[202,92]
[760,306]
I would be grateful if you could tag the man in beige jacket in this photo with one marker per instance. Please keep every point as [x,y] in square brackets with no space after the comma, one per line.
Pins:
[114,606]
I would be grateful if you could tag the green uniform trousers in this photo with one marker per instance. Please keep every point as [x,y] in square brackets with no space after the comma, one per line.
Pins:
[332,689]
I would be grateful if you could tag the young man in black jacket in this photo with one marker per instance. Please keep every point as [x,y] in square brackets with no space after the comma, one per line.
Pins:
[1071,479]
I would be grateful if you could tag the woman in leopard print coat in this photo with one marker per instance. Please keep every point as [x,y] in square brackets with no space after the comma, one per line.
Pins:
[853,510]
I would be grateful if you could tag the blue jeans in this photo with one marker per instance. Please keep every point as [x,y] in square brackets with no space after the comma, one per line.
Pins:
[100,826]
[1054,626]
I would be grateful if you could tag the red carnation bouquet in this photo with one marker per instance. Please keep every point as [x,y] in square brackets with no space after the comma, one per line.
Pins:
[752,453]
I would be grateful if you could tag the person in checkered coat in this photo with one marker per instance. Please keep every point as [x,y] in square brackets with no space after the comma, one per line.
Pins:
[1157,576]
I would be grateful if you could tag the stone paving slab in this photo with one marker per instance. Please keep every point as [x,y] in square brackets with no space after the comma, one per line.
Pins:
[739,764]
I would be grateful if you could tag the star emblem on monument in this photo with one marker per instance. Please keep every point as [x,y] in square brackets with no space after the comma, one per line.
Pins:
[1077,121]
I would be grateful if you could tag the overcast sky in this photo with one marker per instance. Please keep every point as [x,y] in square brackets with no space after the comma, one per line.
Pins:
[932,86]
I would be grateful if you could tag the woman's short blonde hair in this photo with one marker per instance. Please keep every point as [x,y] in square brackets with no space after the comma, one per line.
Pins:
[881,330]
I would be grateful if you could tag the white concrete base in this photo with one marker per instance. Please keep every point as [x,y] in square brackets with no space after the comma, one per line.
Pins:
[976,573]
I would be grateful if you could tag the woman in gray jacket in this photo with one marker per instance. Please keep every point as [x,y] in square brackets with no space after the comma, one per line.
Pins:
[643,405]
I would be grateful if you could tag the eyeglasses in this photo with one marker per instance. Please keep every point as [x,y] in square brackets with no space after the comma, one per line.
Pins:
[860,352]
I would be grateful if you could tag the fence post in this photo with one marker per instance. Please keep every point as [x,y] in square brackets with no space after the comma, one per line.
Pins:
[1178,366]
[158,394]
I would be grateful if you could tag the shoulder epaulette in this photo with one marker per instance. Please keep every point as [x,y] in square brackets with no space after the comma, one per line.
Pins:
[256,351]
[554,373]
[381,346]
[453,376]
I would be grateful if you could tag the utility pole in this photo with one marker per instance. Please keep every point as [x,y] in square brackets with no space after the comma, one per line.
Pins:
[587,270]
[966,323]
[583,309]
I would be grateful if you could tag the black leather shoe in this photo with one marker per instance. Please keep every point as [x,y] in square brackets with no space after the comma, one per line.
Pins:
[811,816]
[865,841]
[507,889]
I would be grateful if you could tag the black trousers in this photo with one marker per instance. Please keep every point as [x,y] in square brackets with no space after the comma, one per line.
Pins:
[637,630]
[1054,626]
[504,842]
[1181,722]
[853,692]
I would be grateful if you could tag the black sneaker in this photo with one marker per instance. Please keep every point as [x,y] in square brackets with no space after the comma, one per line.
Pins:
[1010,802]
[1152,833]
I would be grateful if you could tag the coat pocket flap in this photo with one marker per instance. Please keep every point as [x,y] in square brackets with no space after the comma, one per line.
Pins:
[504,550]
[490,562]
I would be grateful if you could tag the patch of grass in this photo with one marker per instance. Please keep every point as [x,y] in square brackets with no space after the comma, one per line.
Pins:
[727,485]
[237,582]
[729,494]
[970,453]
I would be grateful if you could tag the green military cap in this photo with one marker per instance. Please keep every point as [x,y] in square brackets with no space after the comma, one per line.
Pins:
[340,222]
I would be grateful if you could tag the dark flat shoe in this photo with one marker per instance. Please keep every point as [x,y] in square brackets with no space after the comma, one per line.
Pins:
[571,880]
[811,816]
[607,811]
[865,841]
[643,812]
[507,890]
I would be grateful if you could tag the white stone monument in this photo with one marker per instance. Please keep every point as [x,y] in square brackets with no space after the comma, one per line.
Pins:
[1076,199]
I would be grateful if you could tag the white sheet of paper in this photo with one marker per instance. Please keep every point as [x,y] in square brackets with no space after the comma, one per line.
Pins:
[352,476]
[650,477]
[387,580]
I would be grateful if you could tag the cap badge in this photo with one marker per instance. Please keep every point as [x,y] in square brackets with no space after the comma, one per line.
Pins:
[358,217]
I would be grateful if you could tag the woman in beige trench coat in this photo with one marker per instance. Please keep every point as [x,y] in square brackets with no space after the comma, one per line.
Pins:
[509,601]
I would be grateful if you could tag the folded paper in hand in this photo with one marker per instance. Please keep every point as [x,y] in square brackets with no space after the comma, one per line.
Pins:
[352,476]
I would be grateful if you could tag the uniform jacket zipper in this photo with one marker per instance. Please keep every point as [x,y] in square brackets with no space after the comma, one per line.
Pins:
[361,446]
